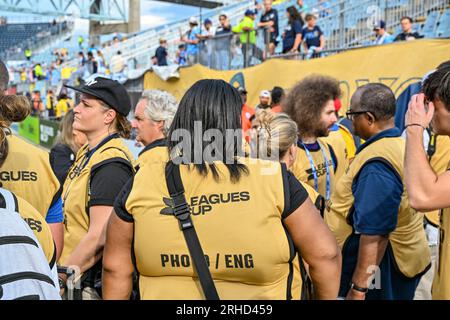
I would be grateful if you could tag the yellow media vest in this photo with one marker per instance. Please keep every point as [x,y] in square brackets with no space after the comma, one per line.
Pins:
[336,139]
[303,172]
[349,142]
[40,229]
[408,240]
[239,226]
[76,190]
[315,197]
[155,152]
[441,283]
[440,161]
[28,174]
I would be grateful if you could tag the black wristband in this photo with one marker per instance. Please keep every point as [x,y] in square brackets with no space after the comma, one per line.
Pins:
[359,289]
[415,124]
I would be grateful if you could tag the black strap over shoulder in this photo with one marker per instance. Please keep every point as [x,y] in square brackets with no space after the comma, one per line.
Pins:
[181,211]
[431,150]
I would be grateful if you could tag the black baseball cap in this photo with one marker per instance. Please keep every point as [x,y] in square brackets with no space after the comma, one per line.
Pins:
[109,91]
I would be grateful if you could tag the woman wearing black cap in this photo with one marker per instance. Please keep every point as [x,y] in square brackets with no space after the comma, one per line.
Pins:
[249,216]
[100,170]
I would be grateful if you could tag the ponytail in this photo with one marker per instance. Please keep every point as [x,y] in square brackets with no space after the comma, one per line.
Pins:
[12,109]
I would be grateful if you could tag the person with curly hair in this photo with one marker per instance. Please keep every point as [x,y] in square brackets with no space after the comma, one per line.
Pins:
[310,104]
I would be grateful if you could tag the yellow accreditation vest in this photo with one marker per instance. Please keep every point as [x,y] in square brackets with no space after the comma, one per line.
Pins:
[40,229]
[28,174]
[408,240]
[441,283]
[315,197]
[76,193]
[440,160]
[304,172]
[336,140]
[156,152]
[239,226]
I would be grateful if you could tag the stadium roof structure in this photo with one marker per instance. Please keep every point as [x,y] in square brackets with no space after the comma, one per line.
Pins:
[94,10]
[197,3]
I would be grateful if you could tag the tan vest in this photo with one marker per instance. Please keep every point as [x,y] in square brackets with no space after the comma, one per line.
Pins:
[28,174]
[76,191]
[40,229]
[441,283]
[408,240]
[303,172]
[239,226]
[337,140]
[155,152]
[440,161]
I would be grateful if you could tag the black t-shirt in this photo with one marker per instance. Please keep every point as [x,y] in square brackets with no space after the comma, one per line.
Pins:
[271,15]
[107,181]
[312,36]
[403,36]
[61,159]
[161,54]
[290,33]
[222,41]
[295,196]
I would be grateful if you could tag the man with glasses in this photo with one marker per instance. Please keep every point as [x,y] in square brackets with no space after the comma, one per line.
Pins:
[384,246]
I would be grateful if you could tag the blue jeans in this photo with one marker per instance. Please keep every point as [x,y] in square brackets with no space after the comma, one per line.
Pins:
[222,60]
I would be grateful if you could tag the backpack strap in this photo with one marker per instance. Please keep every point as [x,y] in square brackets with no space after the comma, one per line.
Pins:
[181,211]
[8,200]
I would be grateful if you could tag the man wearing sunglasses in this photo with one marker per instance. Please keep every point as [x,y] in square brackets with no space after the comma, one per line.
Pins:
[385,251]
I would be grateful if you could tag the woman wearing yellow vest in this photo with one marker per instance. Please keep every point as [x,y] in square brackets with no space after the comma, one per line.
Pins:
[427,190]
[152,119]
[248,214]
[100,170]
[275,137]
[15,109]
[310,103]
[26,171]
[384,246]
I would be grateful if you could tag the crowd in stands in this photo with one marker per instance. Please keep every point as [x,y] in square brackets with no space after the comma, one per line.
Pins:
[213,44]
[48,97]
[294,164]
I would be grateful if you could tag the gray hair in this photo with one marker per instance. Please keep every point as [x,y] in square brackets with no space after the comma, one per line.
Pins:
[161,106]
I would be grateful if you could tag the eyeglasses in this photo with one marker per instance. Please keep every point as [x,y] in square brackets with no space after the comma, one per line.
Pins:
[352,114]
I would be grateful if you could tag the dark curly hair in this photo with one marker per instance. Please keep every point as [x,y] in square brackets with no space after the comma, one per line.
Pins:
[307,99]
[437,85]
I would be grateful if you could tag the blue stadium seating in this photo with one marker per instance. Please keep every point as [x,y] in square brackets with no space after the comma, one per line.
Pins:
[19,36]
[443,29]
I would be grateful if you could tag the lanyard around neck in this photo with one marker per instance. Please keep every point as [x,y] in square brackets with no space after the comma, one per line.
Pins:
[314,170]
[85,160]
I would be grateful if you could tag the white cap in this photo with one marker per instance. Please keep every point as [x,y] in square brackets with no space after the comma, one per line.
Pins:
[193,20]
[265,94]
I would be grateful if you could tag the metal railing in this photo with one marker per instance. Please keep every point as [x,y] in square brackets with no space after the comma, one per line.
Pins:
[350,23]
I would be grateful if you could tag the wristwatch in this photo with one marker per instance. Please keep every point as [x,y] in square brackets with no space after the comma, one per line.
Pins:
[359,289]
